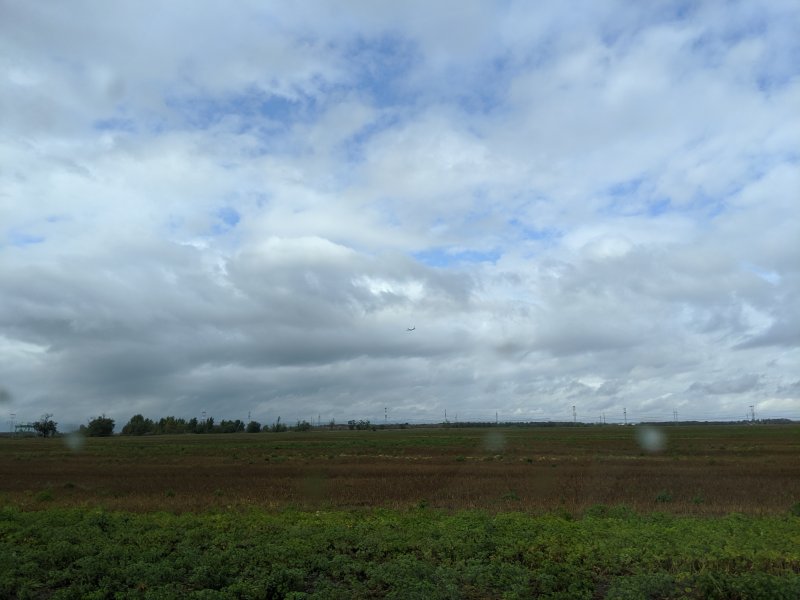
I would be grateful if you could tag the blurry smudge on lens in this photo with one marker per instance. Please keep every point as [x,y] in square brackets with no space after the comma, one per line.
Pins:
[494,441]
[74,441]
[651,439]
[5,396]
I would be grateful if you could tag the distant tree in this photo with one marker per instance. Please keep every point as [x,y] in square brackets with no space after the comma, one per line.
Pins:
[206,426]
[45,426]
[277,426]
[253,427]
[231,426]
[192,425]
[302,426]
[138,425]
[101,426]
[170,425]
[332,424]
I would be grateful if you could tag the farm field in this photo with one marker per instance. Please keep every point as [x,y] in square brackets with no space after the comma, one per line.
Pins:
[583,512]
[703,470]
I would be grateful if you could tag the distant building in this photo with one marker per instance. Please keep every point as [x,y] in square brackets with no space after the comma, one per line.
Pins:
[24,429]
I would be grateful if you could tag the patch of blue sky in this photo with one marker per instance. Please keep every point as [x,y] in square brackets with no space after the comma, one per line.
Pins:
[625,188]
[382,64]
[482,88]
[779,69]
[482,100]
[228,219]
[767,275]
[681,10]
[353,147]
[707,207]
[545,234]
[625,198]
[251,106]
[229,216]
[633,198]
[658,207]
[115,124]
[21,239]
[444,257]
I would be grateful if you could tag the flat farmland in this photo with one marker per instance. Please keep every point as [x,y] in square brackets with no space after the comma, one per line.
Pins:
[437,513]
[701,470]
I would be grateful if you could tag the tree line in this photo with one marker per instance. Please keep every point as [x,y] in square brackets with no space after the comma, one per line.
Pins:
[140,425]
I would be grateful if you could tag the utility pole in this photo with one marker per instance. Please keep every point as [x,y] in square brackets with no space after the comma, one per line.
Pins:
[625,415]
[604,418]
[385,415]
[574,416]
[13,422]
[752,414]
[675,415]
[496,420]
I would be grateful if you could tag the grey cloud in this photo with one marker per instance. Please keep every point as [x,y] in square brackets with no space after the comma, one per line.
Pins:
[736,385]
[791,390]
[148,329]
[609,388]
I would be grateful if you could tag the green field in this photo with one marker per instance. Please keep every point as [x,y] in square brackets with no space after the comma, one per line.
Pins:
[445,513]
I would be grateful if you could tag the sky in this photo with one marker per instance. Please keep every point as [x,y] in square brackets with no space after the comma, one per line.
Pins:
[238,210]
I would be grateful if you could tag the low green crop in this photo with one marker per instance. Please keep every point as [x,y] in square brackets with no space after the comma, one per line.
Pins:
[419,553]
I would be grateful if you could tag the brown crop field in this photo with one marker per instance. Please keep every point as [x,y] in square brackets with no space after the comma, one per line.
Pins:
[702,470]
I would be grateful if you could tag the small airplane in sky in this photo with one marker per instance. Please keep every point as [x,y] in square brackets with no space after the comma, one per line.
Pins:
[411,328]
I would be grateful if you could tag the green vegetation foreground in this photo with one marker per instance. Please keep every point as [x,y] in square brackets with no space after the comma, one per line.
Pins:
[420,553]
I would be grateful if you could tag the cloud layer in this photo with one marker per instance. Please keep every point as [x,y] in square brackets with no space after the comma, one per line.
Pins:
[240,210]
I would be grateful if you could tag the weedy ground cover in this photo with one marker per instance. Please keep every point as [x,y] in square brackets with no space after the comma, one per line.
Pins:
[418,553]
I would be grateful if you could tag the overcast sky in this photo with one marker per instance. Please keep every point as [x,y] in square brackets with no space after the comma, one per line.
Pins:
[240,208]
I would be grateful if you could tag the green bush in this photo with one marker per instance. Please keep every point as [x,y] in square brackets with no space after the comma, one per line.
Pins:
[664,497]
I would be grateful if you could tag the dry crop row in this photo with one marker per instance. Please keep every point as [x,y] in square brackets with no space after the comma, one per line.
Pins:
[703,470]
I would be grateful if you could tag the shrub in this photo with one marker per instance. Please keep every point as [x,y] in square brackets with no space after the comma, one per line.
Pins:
[664,497]
[44,496]
[100,426]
